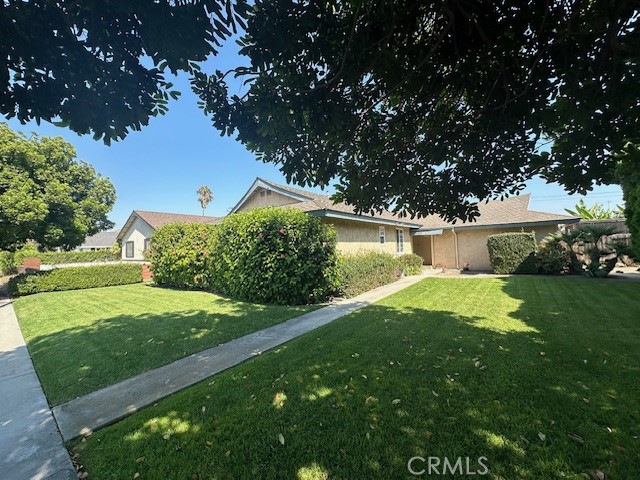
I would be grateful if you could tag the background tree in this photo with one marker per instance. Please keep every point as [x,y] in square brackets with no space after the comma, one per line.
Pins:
[628,174]
[423,107]
[99,67]
[205,195]
[48,196]
[597,211]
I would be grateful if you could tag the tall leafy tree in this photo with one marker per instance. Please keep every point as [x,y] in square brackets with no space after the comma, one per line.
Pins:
[628,174]
[205,195]
[424,107]
[48,196]
[597,211]
[99,67]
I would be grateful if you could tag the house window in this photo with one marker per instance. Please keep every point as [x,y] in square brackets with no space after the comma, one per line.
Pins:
[383,235]
[262,193]
[399,240]
[128,250]
[268,192]
[146,244]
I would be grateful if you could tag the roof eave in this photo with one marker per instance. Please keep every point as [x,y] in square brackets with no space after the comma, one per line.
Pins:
[361,218]
[559,221]
[257,183]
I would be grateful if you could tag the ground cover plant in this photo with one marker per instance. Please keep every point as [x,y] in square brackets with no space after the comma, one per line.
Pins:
[87,339]
[538,374]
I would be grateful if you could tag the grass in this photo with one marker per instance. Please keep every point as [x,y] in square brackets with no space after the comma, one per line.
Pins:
[84,340]
[508,369]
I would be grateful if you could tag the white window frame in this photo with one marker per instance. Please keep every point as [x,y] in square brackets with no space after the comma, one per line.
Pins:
[128,244]
[399,240]
[382,235]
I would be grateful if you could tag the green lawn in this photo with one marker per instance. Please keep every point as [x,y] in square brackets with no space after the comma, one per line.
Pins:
[83,340]
[509,369]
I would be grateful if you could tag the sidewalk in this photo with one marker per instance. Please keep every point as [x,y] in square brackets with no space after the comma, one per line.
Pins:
[30,445]
[110,404]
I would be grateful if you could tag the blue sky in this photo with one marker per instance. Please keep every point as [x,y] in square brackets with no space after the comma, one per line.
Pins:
[161,167]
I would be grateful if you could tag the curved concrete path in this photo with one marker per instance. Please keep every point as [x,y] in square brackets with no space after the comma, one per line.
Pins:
[108,405]
[30,444]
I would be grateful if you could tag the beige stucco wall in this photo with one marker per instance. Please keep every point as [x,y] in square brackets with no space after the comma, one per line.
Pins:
[422,247]
[136,233]
[472,246]
[274,200]
[360,237]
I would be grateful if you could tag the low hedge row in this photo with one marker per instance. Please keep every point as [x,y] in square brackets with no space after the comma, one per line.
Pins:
[75,278]
[10,261]
[364,272]
[57,258]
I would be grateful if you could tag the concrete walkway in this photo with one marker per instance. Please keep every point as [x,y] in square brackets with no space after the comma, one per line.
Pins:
[30,445]
[108,405]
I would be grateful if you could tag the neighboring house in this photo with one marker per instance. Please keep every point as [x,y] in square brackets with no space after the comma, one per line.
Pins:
[440,243]
[99,241]
[140,226]
[464,244]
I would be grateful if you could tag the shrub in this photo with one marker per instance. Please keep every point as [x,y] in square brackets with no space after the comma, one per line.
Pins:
[410,263]
[56,258]
[364,272]
[75,278]
[587,250]
[28,250]
[513,252]
[270,255]
[181,255]
[275,255]
[7,264]
[553,259]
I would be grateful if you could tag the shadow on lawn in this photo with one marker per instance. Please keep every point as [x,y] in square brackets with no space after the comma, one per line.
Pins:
[359,398]
[78,360]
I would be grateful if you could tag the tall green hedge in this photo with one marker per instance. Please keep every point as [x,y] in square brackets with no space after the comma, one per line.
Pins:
[513,252]
[75,278]
[270,255]
[182,255]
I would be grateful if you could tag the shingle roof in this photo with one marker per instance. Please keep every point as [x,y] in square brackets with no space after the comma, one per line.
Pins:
[510,211]
[157,219]
[318,202]
[101,240]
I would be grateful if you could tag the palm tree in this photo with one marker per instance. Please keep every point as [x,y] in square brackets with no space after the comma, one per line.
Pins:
[205,195]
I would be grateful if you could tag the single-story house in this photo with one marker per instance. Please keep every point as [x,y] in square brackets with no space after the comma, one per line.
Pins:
[140,225]
[383,232]
[438,242]
[99,241]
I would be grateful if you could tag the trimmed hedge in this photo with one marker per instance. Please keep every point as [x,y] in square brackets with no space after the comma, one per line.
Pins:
[75,278]
[366,271]
[269,255]
[181,255]
[513,252]
[54,258]
[57,258]
[411,263]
